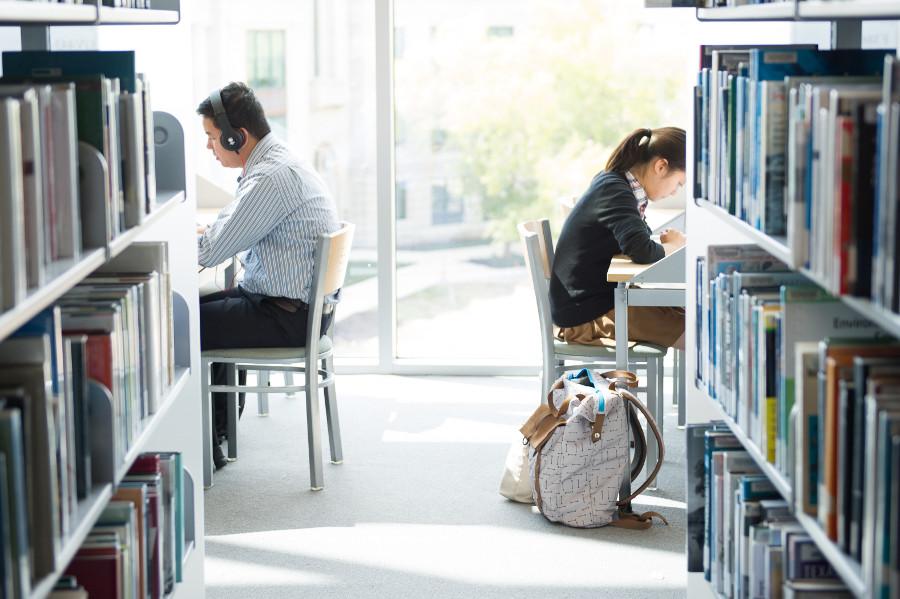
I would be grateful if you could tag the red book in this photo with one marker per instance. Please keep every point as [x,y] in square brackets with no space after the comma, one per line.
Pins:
[98,570]
[843,218]
[100,358]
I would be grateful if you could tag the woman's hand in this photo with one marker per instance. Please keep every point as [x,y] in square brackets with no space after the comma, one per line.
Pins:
[672,239]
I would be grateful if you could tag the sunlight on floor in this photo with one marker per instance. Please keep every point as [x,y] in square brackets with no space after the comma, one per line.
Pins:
[231,573]
[488,555]
[454,430]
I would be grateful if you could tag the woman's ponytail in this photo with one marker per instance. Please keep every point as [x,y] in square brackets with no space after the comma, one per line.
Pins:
[645,144]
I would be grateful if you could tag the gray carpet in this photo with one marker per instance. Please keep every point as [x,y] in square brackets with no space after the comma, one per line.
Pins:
[414,510]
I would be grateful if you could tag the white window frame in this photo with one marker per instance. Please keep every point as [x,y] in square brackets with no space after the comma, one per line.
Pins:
[387,361]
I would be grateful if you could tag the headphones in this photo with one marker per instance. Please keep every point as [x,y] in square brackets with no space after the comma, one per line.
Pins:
[231,139]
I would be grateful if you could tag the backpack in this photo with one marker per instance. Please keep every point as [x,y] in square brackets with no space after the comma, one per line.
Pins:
[579,450]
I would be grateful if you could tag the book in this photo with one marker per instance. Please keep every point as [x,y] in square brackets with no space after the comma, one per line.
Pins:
[12,209]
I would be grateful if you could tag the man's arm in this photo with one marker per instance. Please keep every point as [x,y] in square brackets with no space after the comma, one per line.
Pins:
[257,210]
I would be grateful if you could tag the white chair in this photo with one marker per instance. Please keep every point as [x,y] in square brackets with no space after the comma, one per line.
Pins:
[314,361]
[556,354]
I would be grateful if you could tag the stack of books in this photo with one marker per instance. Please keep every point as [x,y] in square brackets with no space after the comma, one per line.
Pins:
[111,335]
[61,112]
[745,538]
[813,386]
[137,547]
[801,144]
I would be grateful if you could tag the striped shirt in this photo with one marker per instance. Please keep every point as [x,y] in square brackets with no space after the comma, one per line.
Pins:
[281,207]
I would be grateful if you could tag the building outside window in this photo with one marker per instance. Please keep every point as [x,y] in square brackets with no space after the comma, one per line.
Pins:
[266,68]
[446,208]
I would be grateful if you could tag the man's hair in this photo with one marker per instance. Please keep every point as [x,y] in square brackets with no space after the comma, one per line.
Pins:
[242,108]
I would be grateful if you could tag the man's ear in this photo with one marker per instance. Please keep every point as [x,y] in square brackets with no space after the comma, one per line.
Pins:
[246,135]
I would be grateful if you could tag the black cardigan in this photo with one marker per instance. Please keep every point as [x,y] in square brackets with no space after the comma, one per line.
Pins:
[604,222]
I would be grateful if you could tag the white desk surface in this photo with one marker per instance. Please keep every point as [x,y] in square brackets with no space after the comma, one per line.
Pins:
[623,269]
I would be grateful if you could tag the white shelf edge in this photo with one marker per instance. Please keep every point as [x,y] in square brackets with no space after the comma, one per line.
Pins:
[859,9]
[773,245]
[89,511]
[782,11]
[887,320]
[118,245]
[137,16]
[68,274]
[182,375]
[16,11]
[772,473]
[846,568]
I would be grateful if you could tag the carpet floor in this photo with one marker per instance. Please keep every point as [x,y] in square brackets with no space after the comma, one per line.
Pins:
[414,511]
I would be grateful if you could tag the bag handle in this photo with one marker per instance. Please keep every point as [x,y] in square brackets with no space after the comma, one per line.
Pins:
[629,379]
[659,442]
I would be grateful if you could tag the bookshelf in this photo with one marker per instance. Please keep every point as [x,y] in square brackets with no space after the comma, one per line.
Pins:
[776,246]
[177,419]
[804,10]
[846,19]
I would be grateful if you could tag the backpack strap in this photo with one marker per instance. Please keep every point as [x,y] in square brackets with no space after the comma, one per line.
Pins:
[633,521]
[629,379]
[628,398]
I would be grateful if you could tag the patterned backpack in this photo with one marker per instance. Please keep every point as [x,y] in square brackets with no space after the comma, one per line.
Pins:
[579,451]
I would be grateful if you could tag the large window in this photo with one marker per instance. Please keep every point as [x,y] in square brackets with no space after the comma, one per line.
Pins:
[501,107]
[286,46]
[266,72]
[507,106]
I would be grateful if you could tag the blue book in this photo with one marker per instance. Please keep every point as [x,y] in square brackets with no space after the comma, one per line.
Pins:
[38,64]
[775,65]
[714,441]
[14,500]
[49,323]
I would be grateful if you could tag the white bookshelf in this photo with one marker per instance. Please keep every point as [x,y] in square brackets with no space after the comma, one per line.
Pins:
[846,16]
[63,275]
[847,568]
[777,246]
[136,16]
[176,424]
[780,11]
[887,320]
[804,10]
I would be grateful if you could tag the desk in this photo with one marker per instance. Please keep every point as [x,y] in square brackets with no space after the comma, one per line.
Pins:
[661,284]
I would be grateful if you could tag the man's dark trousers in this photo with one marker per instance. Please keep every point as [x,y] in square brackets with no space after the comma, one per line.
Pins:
[236,318]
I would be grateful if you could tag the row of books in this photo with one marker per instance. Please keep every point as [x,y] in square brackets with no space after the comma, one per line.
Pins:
[115,3]
[137,548]
[52,104]
[805,378]
[741,533]
[717,3]
[106,348]
[797,142]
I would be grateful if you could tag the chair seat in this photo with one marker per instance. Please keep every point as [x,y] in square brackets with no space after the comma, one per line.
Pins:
[646,350]
[274,353]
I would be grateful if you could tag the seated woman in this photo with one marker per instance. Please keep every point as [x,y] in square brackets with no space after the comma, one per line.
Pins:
[648,165]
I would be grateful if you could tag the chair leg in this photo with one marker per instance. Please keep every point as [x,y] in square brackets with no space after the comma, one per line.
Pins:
[331,415]
[262,399]
[661,385]
[289,382]
[313,431]
[680,389]
[652,407]
[232,414]
[548,376]
[206,402]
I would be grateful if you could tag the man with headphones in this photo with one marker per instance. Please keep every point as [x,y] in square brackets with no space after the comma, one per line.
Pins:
[281,207]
